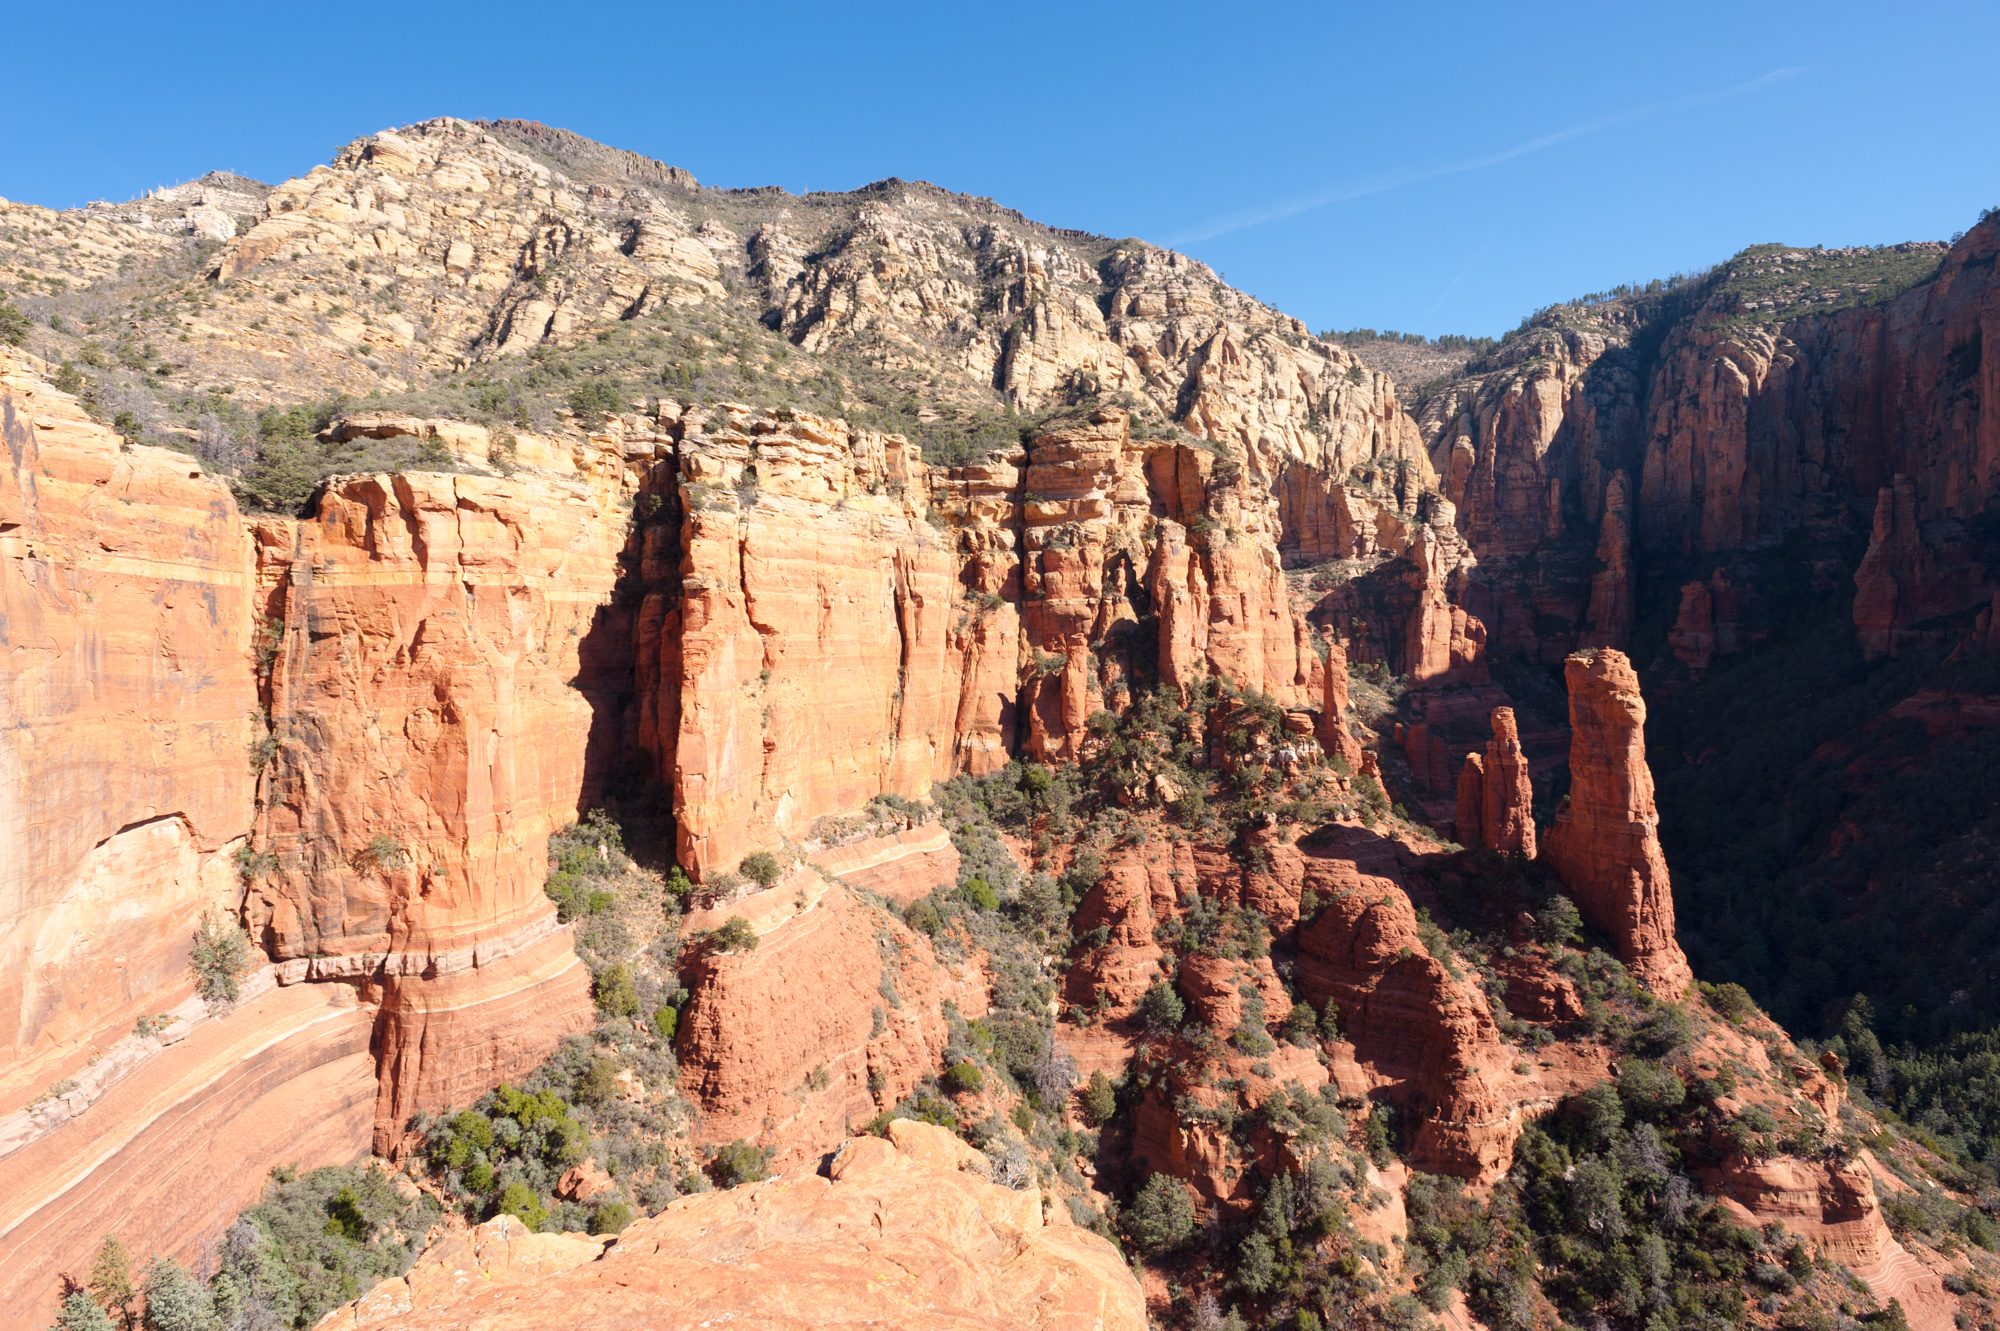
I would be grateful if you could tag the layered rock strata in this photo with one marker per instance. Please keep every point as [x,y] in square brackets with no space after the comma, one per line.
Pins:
[833,1017]
[370,718]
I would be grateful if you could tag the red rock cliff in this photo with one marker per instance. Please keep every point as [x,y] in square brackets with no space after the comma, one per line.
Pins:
[416,648]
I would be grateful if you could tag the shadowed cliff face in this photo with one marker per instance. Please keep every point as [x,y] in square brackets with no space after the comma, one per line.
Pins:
[1663,432]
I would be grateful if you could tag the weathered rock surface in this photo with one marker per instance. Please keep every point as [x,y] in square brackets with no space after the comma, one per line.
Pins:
[1714,620]
[169,1153]
[415,649]
[429,726]
[1506,795]
[833,1017]
[1786,387]
[900,1233]
[798,553]
[800,657]
[1334,727]
[126,603]
[902,865]
[1605,844]
[1426,1039]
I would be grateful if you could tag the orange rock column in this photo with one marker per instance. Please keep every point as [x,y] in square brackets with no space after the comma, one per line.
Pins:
[1605,845]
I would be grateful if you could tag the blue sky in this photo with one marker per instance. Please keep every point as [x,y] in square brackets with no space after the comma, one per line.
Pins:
[1427,166]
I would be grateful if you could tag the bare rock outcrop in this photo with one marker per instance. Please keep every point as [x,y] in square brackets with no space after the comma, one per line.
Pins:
[1334,726]
[1714,620]
[833,1017]
[1426,1039]
[1496,797]
[1605,844]
[1613,594]
[366,724]
[966,613]
[901,1233]
[800,656]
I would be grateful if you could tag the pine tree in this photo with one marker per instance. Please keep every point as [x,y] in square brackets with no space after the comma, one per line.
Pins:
[81,1313]
[176,1301]
[111,1282]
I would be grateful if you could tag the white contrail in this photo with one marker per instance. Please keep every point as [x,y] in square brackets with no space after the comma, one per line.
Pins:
[1394,180]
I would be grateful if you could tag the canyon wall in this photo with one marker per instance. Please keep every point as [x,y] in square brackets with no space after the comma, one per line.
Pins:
[354,734]
[1664,429]
[825,618]
[126,608]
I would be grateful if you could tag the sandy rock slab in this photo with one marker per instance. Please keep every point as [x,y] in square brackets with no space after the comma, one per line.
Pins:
[901,1233]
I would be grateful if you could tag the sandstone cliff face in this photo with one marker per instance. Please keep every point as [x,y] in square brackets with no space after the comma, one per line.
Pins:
[1763,420]
[1425,1038]
[1605,844]
[1714,620]
[1786,387]
[373,715]
[429,727]
[126,604]
[804,651]
[1334,726]
[967,614]
[832,1018]
[1911,577]
[901,1233]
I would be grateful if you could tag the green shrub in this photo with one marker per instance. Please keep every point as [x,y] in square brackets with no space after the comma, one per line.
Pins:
[14,325]
[666,1020]
[1162,1009]
[1161,1217]
[386,852]
[616,991]
[1732,1002]
[1559,923]
[1100,1099]
[317,1240]
[111,1279]
[291,460]
[979,894]
[963,1077]
[598,397]
[735,934]
[739,1162]
[610,1218]
[219,957]
[761,868]
[584,859]
[176,1301]
[79,1313]
[519,1200]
